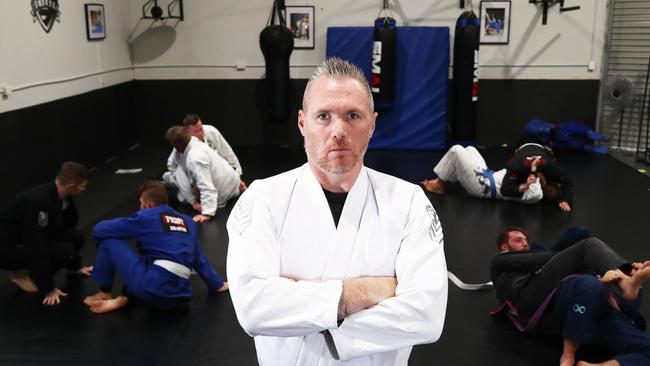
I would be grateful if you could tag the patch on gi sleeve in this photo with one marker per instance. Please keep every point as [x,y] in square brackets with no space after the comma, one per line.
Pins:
[174,224]
[434,227]
[43,219]
[242,216]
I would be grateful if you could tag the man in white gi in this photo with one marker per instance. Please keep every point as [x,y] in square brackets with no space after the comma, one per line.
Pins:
[197,165]
[333,263]
[467,166]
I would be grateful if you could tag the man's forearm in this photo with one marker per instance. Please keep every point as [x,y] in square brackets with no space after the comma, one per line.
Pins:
[362,292]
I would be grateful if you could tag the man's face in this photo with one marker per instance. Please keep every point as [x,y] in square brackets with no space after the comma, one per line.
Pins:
[75,189]
[517,242]
[196,130]
[337,124]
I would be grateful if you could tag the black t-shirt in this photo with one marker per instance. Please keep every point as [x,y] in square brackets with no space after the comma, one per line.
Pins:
[336,202]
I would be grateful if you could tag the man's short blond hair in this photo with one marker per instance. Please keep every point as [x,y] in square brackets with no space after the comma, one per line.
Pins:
[178,135]
[337,68]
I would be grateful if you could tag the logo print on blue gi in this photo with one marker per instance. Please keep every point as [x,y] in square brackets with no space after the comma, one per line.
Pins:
[579,309]
[243,216]
[42,219]
[174,224]
[435,222]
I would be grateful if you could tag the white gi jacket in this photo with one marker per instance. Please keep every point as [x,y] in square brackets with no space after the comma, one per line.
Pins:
[281,229]
[218,143]
[215,179]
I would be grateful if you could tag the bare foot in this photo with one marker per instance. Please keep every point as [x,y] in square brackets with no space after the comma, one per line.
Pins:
[85,271]
[567,361]
[631,285]
[91,300]
[22,280]
[224,288]
[613,276]
[434,185]
[105,306]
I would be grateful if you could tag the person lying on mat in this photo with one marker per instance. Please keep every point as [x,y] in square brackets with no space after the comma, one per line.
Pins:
[560,291]
[168,250]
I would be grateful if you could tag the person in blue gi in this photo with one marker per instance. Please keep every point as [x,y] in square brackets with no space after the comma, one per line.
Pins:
[168,251]
[561,287]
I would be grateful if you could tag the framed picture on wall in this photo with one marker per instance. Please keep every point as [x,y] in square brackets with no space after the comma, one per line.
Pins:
[300,19]
[95,22]
[495,22]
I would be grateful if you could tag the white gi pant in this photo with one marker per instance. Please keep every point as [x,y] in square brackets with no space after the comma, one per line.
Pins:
[179,179]
[461,164]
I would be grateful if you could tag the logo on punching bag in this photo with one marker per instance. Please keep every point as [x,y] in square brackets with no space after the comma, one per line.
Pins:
[475,80]
[376,69]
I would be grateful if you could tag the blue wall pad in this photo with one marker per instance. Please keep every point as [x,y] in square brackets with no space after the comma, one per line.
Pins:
[418,119]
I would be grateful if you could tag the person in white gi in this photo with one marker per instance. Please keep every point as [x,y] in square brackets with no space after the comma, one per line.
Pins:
[466,166]
[317,285]
[199,166]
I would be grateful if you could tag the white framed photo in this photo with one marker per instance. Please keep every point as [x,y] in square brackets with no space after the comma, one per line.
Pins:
[300,19]
[95,22]
[495,22]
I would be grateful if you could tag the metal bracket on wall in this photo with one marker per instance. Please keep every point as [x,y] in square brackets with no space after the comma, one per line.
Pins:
[545,5]
[151,10]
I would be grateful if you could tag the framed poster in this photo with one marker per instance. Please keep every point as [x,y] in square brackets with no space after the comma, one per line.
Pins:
[300,20]
[495,22]
[95,22]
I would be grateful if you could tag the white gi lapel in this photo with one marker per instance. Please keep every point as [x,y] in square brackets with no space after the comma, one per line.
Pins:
[346,234]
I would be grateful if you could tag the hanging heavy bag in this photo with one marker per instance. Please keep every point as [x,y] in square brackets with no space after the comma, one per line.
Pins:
[465,79]
[384,47]
[276,42]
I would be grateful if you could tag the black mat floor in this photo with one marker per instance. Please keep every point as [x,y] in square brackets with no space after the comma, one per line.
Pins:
[612,199]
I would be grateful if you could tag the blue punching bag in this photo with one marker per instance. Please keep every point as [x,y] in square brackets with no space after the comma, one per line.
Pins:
[276,42]
[384,47]
[465,79]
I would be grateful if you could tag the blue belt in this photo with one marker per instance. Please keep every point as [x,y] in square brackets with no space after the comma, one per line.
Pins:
[488,173]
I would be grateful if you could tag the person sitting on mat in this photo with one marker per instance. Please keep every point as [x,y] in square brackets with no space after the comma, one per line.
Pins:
[204,178]
[168,251]
[466,166]
[38,236]
[548,291]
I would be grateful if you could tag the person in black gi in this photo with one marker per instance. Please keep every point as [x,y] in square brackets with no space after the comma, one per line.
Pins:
[37,235]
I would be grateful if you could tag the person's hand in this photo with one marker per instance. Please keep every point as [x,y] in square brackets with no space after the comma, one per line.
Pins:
[54,297]
[242,186]
[611,276]
[532,179]
[564,206]
[196,206]
[85,270]
[201,218]
[535,164]
[523,187]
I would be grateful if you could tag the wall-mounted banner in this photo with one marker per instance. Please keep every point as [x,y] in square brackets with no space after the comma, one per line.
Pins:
[46,12]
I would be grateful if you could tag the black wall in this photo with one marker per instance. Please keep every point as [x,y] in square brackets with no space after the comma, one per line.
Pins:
[87,128]
[97,125]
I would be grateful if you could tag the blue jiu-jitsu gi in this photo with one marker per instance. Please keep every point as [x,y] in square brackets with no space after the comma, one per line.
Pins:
[168,251]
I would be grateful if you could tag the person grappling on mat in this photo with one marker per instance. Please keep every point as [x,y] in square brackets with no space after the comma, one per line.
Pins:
[168,251]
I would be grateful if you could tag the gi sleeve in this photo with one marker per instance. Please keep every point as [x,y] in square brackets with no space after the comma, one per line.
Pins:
[199,168]
[417,312]
[224,149]
[533,194]
[35,241]
[205,270]
[123,228]
[266,303]
[172,164]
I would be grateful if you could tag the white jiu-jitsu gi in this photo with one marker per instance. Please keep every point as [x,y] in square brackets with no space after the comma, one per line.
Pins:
[218,143]
[287,260]
[467,166]
[209,172]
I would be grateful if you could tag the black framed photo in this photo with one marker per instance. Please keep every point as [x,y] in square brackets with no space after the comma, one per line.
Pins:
[495,22]
[300,19]
[95,22]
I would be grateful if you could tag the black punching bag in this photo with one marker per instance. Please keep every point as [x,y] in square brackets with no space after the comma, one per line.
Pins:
[276,42]
[465,79]
[384,47]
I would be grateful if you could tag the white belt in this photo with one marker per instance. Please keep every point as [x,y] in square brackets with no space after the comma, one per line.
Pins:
[173,267]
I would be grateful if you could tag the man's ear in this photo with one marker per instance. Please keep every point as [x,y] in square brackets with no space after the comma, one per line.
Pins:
[503,247]
[301,122]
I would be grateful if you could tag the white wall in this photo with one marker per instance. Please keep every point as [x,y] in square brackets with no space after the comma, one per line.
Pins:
[39,67]
[217,35]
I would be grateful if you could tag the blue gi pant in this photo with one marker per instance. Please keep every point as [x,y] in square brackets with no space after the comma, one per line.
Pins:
[150,283]
[582,304]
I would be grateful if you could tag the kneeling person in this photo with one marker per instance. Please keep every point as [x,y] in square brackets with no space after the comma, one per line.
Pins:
[168,250]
